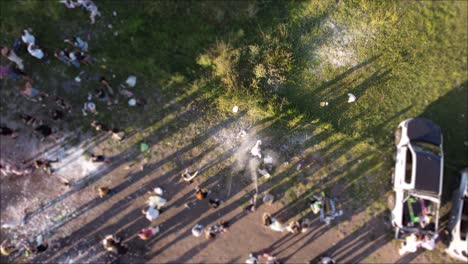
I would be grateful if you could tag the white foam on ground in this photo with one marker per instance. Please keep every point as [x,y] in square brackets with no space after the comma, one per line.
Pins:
[73,166]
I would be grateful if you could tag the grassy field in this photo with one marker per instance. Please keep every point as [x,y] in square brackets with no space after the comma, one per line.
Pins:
[277,60]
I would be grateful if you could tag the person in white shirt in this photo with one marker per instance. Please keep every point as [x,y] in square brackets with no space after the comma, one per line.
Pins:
[35,51]
[151,214]
[27,37]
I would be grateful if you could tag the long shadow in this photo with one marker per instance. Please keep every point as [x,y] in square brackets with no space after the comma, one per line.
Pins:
[449,112]
[123,157]
[358,245]
[158,164]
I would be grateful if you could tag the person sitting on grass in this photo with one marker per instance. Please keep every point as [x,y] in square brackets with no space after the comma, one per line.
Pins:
[62,55]
[37,52]
[73,59]
[28,91]
[89,108]
[99,126]
[29,120]
[11,55]
[13,73]
[62,104]
[77,42]
[84,58]
[56,114]
[27,37]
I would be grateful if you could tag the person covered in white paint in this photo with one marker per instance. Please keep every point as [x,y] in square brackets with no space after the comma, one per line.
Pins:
[429,242]
[114,245]
[270,259]
[256,151]
[151,213]
[156,201]
[411,244]
[37,52]
[149,232]
[88,5]
[252,259]
[272,223]
[197,230]
[186,176]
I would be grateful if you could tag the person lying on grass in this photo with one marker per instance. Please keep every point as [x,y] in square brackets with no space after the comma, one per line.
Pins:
[28,91]
[11,55]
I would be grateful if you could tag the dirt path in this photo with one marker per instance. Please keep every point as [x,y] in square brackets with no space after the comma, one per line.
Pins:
[76,220]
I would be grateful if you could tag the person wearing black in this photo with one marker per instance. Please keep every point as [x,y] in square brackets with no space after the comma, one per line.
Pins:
[38,249]
[6,131]
[214,203]
[56,114]
[99,158]
[45,165]
[44,131]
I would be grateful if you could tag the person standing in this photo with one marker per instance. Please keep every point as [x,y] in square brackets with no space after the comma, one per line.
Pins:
[147,233]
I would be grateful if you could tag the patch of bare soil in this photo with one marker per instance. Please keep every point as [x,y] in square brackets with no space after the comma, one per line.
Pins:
[75,220]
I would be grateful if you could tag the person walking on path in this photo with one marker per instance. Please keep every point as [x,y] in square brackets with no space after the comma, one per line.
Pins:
[114,245]
[147,233]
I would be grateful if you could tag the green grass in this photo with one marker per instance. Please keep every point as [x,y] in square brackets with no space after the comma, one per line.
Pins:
[277,60]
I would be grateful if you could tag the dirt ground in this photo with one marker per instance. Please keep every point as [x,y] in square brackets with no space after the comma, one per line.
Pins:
[75,220]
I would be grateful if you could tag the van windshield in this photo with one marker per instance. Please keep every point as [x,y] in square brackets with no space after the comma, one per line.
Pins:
[427,147]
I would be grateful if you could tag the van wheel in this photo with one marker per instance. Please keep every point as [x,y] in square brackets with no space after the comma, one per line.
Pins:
[391,201]
[397,136]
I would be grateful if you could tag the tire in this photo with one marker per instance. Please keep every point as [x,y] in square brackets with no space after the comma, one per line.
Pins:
[397,136]
[391,201]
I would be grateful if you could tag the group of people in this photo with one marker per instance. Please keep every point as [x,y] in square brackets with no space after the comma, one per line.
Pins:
[86,5]
[414,241]
[78,55]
